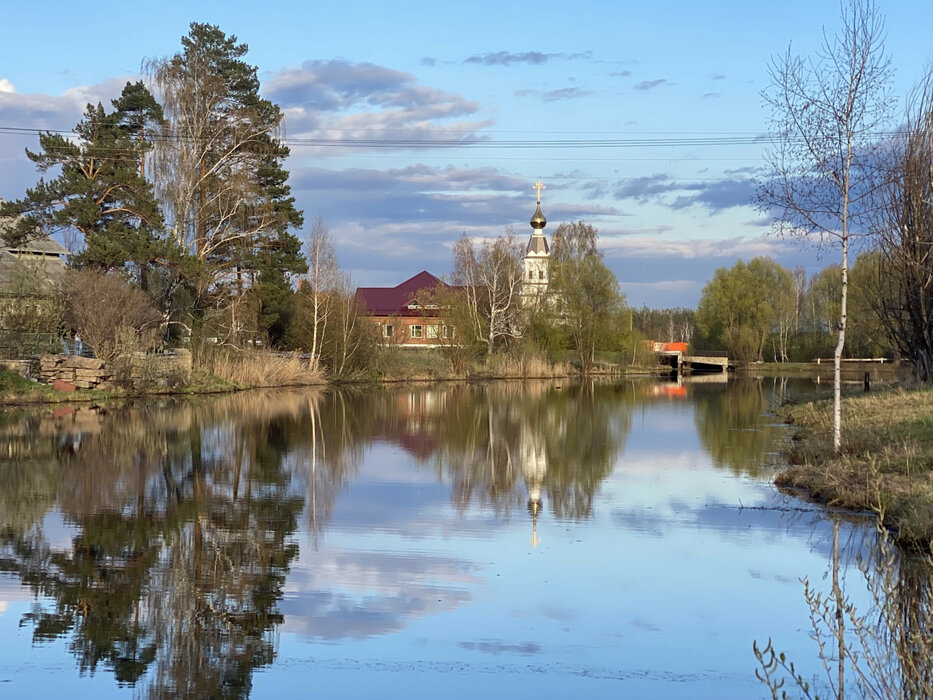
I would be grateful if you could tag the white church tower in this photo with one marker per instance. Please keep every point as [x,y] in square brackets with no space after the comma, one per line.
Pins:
[537,257]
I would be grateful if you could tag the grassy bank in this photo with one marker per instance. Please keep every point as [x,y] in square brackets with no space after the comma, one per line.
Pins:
[16,390]
[216,371]
[886,462]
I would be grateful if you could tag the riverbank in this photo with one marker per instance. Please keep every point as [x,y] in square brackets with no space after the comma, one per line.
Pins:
[886,462]
[16,390]
[227,372]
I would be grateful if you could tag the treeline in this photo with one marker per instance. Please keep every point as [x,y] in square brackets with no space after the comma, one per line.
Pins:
[762,311]
[186,200]
[487,318]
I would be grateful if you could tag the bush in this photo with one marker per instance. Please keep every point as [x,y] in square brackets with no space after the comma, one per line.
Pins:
[115,319]
[31,314]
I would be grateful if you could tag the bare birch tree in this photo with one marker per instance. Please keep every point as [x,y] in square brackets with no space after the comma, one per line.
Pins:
[827,113]
[217,168]
[348,321]
[323,282]
[491,274]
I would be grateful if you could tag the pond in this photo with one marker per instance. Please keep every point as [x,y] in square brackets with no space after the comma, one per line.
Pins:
[540,538]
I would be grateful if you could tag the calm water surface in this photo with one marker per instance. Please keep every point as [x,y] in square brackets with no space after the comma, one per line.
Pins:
[532,539]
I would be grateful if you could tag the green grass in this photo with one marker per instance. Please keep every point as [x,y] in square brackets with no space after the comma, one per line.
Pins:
[885,464]
[14,388]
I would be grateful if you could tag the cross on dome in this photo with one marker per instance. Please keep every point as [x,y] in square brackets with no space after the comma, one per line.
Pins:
[538,187]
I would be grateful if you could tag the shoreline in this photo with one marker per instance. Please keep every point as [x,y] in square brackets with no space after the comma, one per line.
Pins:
[25,392]
[885,466]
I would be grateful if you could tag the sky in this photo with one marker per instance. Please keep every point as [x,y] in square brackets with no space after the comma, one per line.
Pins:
[603,102]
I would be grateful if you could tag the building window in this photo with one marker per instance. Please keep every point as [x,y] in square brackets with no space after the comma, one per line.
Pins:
[531,275]
[540,274]
[448,331]
[432,332]
[388,330]
[416,331]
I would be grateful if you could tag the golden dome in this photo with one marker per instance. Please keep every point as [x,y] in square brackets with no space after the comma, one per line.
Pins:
[538,221]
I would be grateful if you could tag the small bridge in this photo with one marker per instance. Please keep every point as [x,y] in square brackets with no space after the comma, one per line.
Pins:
[682,362]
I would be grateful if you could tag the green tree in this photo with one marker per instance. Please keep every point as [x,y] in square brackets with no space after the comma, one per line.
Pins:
[743,304]
[586,292]
[218,169]
[821,311]
[100,193]
[868,336]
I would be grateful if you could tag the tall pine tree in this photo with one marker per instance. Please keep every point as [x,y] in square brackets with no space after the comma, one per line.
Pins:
[219,171]
[101,196]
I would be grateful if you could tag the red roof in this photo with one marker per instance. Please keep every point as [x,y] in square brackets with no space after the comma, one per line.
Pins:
[394,301]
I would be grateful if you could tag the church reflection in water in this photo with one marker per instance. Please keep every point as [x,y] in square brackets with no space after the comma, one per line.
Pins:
[184,517]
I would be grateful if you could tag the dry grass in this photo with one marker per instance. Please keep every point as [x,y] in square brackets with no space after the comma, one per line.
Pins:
[250,369]
[432,365]
[886,462]
[523,367]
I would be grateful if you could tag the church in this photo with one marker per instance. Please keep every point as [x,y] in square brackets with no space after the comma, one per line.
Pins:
[407,318]
[537,262]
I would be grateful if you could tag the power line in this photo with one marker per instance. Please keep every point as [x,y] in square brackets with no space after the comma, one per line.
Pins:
[471,140]
[465,141]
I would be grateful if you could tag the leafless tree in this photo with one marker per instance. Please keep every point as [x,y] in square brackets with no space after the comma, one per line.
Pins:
[348,321]
[904,297]
[827,112]
[217,163]
[204,175]
[323,281]
[112,317]
[799,276]
[491,274]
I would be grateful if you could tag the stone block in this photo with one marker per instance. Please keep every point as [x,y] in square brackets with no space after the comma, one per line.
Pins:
[91,374]
[60,385]
[79,362]
[47,362]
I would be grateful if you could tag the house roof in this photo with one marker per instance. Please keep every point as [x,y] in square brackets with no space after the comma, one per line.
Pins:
[394,301]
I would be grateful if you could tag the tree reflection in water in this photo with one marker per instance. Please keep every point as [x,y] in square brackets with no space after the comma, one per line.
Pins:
[185,514]
[483,440]
[730,427]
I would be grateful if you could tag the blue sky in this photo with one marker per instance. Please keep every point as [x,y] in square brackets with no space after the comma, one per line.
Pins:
[511,81]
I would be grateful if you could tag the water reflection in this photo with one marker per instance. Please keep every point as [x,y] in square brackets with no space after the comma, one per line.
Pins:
[730,427]
[198,532]
[183,514]
[183,517]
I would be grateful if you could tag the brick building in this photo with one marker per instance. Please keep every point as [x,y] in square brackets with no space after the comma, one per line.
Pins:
[406,314]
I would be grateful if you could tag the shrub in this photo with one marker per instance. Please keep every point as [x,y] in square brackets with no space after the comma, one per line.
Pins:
[31,313]
[112,317]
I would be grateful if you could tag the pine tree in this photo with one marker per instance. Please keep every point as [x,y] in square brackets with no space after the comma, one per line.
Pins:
[218,167]
[101,195]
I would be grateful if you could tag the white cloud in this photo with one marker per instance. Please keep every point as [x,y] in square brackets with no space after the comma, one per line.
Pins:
[359,103]
[652,247]
[6,86]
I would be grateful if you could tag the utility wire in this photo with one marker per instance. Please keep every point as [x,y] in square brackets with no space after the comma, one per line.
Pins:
[467,141]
